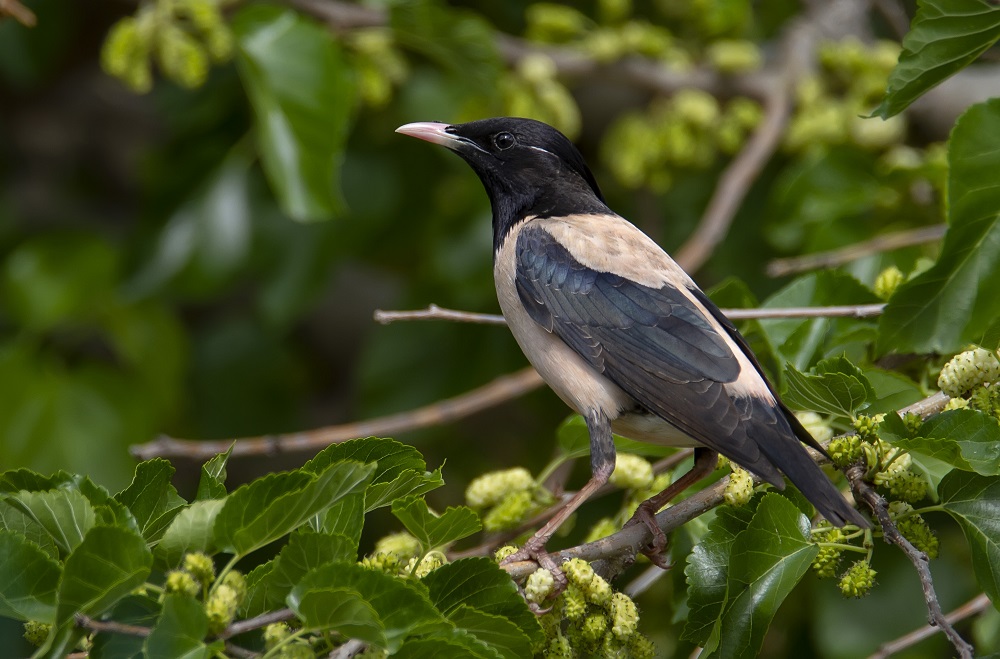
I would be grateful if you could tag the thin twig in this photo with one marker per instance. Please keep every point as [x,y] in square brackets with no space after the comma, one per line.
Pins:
[243,626]
[500,390]
[864,492]
[836,257]
[110,626]
[976,605]
[352,648]
[233,650]
[434,312]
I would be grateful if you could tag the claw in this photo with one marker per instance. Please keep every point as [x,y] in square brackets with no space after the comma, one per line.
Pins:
[654,550]
[535,551]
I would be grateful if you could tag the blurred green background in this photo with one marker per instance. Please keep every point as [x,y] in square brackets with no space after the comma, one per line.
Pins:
[202,259]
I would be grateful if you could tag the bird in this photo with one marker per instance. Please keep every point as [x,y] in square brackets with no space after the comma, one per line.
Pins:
[619,331]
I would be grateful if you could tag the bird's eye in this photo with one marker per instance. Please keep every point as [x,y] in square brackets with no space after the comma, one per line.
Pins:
[503,141]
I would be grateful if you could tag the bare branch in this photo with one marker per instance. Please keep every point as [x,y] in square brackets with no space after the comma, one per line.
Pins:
[243,626]
[866,493]
[976,605]
[434,312]
[500,390]
[110,626]
[18,12]
[833,258]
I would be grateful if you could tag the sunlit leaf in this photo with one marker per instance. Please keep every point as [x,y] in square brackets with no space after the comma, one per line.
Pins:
[302,93]
[966,439]
[954,302]
[974,502]
[28,580]
[180,630]
[945,37]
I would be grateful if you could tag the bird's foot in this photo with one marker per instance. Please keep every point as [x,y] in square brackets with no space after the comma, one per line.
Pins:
[654,551]
[534,550]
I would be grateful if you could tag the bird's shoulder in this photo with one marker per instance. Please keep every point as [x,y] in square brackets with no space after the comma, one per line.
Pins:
[608,243]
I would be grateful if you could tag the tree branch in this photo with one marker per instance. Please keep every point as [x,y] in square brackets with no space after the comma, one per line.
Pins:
[976,605]
[836,257]
[110,626]
[18,12]
[269,618]
[434,312]
[500,390]
[866,493]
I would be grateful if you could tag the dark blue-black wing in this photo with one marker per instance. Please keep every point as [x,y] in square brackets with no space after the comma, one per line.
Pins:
[655,344]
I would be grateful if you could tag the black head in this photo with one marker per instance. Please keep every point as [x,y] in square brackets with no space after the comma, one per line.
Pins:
[527,167]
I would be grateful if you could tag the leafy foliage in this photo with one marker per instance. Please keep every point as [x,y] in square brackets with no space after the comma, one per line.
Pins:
[168,269]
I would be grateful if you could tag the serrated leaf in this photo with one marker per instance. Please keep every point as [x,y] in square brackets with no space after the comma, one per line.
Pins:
[302,92]
[707,573]
[401,470]
[260,512]
[974,502]
[212,484]
[945,37]
[767,560]
[306,550]
[893,391]
[954,302]
[482,585]
[28,580]
[152,498]
[433,530]
[180,630]
[364,604]
[193,529]
[835,387]
[105,567]
[66,515]
[495,631]
[453,643]
[966,439]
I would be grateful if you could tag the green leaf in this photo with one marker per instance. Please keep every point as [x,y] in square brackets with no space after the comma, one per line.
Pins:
[364,604]
[302,92]
[433,530]
[109,564]
[453,643]
[66,515]
[12,519]
[151,497]
[346,518]
[954,302]
[945,37]
[260,512]
[306,550]
[482,585]
[836,386]
[497,632]
[212,484]
[707,573]
[401,470]
[258,599]
[966,439]
[138,610]
[28,580]
[180,630]
[974,502]
[193,529]
[802,341]
[893,391]
[766,562]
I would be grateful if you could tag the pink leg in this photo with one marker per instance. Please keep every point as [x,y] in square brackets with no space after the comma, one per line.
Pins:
[704,463]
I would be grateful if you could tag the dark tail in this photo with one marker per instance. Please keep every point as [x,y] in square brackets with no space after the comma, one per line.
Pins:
[785,451]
